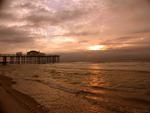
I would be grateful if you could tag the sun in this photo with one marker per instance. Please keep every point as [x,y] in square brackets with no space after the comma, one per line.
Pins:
[96,47]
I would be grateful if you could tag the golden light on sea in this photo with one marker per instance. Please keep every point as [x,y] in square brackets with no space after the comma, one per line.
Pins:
[97,47]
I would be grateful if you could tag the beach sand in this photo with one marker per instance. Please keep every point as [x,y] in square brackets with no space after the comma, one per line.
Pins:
[12,101]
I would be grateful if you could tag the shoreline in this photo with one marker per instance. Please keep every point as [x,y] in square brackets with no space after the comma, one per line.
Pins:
[24,88]
[13,101]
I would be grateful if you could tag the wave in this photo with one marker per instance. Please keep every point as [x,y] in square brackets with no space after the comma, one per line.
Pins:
[123,70]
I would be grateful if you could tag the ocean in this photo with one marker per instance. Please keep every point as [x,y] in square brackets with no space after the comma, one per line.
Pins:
[122,87]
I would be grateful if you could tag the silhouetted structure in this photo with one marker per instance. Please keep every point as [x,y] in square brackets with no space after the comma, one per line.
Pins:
[32,57]
[35,53]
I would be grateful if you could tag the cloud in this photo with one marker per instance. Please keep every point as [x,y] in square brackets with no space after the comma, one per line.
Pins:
[11,35]
[6,16]
[144,30]
[91,22]
[78,34]
[148,1]
[1,3]
[58,18]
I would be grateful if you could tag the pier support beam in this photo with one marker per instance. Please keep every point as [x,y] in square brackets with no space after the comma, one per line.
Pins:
[4,60]
[11,60]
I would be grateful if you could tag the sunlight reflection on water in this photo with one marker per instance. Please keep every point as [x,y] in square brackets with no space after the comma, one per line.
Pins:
[115,86]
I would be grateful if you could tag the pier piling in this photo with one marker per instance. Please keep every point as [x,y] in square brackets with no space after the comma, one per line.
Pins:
[11,59]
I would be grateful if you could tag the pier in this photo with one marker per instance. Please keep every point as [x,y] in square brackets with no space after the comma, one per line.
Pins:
[32,57]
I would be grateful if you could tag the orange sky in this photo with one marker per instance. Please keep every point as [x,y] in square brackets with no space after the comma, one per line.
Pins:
[73,25]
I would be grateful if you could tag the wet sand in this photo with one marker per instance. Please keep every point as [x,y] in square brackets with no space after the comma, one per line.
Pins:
[12,101]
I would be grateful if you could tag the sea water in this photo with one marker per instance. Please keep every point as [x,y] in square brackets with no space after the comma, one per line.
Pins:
[115,87]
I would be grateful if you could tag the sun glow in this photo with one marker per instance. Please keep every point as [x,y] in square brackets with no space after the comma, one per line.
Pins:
[96,47]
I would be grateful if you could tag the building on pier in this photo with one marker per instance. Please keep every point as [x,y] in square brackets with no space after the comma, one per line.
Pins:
[35,53]
[31,57]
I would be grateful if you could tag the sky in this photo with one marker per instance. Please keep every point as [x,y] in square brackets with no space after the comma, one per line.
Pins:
[74,25]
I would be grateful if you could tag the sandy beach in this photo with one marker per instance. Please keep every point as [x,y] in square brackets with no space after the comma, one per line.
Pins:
[12,101]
